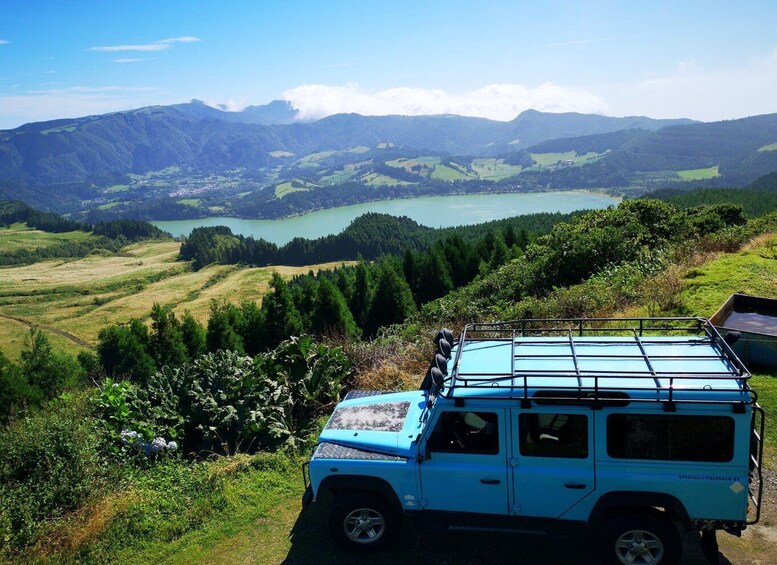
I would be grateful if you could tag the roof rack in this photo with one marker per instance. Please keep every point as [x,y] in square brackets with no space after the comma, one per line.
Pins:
[599,360]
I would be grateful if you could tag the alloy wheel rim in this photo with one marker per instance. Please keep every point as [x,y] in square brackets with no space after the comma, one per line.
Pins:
[364,525]
[639,547]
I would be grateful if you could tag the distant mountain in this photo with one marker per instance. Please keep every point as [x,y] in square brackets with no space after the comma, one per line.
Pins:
[275,113]
[532,127]
[96,149]
[112,161]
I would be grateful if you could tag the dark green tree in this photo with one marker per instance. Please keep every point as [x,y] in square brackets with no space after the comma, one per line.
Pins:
[499,253]
[193,336]
[362,294]
[411,267]
[393,301]
[304,296]
[166,343]
[330,313]
[45,370]
[224,328]
[281,317]
[434,279]
[123,351]
[252,327]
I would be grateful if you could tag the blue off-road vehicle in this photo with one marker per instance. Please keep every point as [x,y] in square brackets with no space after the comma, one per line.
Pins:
[635,431]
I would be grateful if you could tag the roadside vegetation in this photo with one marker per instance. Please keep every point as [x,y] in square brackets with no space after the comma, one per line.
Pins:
[172,437]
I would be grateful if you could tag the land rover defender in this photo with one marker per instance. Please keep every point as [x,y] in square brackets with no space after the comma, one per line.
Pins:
[633,430]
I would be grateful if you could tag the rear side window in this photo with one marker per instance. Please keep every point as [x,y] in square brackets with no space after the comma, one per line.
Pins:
[554,435]
[670,437]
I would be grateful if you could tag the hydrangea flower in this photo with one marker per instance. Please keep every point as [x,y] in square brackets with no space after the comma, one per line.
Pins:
[159,444]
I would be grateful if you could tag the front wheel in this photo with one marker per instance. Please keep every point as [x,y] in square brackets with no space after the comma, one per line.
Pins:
[640,539]
[362,521]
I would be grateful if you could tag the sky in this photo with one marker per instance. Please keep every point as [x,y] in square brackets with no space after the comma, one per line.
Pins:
[706,60]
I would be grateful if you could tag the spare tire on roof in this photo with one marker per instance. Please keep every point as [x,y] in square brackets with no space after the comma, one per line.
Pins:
[444,348]
[441,363]
[445,334]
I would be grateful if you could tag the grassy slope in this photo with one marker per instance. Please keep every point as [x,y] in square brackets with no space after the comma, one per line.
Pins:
[19,236]
[79,297]
[752,270]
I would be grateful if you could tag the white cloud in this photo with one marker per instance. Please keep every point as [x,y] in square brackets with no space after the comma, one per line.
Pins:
[4,42]
[143,47]
[184,39]
[160,45]
[136,60]
[495,101]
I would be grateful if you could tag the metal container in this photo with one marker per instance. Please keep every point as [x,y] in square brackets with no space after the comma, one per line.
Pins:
[755,318]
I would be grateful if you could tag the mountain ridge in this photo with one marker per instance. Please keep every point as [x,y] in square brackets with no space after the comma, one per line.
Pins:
[78,165]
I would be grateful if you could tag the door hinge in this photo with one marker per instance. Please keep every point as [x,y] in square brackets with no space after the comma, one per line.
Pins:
[512,461]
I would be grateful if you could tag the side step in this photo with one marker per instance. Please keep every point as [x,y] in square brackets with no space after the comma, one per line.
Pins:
[518,531]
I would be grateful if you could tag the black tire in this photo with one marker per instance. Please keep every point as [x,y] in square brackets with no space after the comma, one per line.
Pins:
[363,521]
[648,538]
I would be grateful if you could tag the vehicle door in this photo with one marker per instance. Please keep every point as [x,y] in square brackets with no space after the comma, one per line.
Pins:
[552,463]
[465,465]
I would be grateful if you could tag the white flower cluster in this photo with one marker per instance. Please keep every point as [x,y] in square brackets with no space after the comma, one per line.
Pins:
[157,445]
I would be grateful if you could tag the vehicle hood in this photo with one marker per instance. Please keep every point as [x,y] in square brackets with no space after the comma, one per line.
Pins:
[382,423]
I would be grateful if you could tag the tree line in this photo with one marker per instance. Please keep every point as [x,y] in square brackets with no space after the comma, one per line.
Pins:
[369,236]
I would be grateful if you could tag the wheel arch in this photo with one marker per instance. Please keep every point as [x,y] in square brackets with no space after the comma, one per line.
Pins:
[361,483]
[633,501]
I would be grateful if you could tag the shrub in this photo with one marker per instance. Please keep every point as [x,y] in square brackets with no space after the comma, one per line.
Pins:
[49,464]
[225,402]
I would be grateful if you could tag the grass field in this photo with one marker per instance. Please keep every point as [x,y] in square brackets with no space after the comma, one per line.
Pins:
[286,188]
[72,300]
[19,236]
[699,174]
[548,159]
[374,179]
[494,169]
[444,172]
[194,202]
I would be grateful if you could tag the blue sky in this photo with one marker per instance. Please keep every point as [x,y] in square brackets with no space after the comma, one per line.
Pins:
[705,60]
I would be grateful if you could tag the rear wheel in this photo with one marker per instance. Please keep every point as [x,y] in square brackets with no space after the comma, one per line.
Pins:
[362,521]
[640,539]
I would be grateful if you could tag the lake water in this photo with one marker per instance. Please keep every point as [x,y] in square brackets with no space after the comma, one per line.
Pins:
[432,211]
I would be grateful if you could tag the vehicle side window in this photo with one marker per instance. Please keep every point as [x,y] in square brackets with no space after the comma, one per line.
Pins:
[670,438]
[466,432]
[554,435]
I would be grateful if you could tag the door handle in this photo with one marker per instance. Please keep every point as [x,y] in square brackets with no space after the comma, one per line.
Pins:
[490,481]
[577,486]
